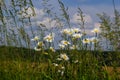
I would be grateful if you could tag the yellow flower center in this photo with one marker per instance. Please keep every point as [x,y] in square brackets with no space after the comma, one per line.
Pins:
[65,57]
[65,42]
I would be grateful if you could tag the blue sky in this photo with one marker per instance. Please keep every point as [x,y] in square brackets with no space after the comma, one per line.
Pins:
[101,5]
[89,2]
[89,7]
[93,7]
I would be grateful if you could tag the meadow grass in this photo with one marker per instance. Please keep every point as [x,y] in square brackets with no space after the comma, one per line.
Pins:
[20,64]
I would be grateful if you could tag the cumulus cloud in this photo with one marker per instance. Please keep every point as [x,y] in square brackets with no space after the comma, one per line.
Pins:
[41,18]
[96,25]
[47,22]
[76,18]
[39,14]
[88,32]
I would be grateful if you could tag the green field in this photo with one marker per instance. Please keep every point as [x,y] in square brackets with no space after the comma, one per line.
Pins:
[26,64]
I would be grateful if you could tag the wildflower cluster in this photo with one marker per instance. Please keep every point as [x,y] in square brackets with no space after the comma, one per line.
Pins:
[40,45]
[63,57]
[73,39]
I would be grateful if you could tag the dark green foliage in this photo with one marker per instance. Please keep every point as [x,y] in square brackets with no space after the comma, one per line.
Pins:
[27,64]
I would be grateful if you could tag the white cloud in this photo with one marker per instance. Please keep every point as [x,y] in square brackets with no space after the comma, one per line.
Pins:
[76,18]
[48,22]
[39,14]
[96,25]
[88,32]
[92,10]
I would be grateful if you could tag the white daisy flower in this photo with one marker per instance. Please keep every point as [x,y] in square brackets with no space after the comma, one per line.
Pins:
[73,47]
[62,67]
[59,71]
[55,64]
[86,41]
[65,42]
[40,44]
[49,38]
[52,49]
[76,61]
[59,59]
[62,73]
[67,31]
[77,35]
[64,57]
[37,49]
[36,38]
[76,30]
[94,40]
[62,46]
[95,30]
